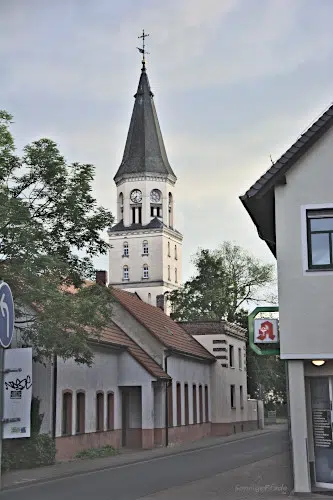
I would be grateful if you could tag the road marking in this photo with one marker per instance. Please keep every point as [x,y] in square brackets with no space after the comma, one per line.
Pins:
[139,462]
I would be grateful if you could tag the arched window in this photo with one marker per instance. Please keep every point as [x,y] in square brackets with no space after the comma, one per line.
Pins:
[200,405]
[187,412]
[145,248]
[145,271]
[206,404]
[176,256]
[80,412]
[110,411]
[125,273]
[100,411]
[169,254]
[179,404]
[169,273]
[149,298]
[194,399]
[176,276]
[67,409]
[170,210]
[126,249]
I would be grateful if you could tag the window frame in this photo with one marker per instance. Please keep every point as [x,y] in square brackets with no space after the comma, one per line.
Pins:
[309,233]
[125,268]
[100,418]
[145,272]
[231,356]
[145,247]
[240,358]
[110,414]
[125,249]
[80,418]
[67,416]
[233,396]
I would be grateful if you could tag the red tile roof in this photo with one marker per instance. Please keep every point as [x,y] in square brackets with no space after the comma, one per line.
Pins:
[205,327]
[168,332]
[115,336]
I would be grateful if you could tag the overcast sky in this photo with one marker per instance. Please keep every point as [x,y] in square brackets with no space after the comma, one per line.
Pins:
[235,81]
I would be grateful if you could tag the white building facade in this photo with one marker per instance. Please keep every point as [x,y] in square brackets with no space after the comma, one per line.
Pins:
[146,254]
[292,207]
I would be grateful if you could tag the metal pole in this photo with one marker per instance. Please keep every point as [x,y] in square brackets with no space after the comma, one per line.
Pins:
[2,367]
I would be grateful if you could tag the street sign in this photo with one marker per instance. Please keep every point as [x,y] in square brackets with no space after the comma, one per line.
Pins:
[17,393]
[266,331]
[6,315]
[274,350]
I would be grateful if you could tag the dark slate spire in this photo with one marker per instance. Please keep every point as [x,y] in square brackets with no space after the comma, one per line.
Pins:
[144,149]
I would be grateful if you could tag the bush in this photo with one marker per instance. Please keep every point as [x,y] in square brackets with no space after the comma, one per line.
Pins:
[26,453]
[105,451]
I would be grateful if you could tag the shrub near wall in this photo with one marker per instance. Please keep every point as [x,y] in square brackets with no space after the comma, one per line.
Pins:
[26,453]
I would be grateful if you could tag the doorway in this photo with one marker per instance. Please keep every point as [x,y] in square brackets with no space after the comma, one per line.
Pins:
[321,408]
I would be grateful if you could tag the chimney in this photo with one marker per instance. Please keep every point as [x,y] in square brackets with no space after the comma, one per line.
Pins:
[160,299]
[101,278]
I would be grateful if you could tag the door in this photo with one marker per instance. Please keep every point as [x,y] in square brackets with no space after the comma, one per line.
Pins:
[124,415]
[321,407]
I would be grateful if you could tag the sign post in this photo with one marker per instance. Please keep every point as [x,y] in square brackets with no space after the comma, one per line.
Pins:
[6,337]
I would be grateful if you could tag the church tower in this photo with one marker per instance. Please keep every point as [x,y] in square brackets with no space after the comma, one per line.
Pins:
[146,249]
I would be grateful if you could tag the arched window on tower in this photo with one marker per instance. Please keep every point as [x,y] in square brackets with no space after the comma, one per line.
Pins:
[121,206]
[169,254]
[125,273]
[176,254]
[170,200]
[176,276]
[145,271]
[169,273]
[145,248]
[126,249]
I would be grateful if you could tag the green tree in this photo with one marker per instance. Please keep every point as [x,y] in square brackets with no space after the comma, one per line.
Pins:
[225,282]
[48,217]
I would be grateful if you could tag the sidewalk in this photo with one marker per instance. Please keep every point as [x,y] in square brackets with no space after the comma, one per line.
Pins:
[65,469]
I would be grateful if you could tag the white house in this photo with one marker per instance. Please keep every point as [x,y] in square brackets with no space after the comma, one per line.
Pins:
[292,208]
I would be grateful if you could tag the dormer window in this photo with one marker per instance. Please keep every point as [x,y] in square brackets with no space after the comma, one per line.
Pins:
[320,239]
[145,248]
[126,249]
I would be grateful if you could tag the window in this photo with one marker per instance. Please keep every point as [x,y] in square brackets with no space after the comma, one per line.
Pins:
[206,404]
[126,249]
[240,359]
[221,356]
[232,397]
[99,411]
[145,248]
[176,276]
[187,412]
[140,215]
[133,215]
[170,406]
[169,255]
[219,349]
[110,411]
[145,271]
[170,210]
[320,239]
[219,341]
[195,410]
[241,396]
[179,405]
[231,356]
[149,298]
[176,257]
[67,413]
[80,412]
[169,273]
[200,405]
[125,273]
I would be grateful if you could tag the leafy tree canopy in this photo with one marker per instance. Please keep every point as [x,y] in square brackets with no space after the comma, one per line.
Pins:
[47,217]
[225,281]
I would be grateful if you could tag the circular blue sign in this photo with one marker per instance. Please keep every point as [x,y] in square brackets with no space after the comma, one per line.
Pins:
[6,315]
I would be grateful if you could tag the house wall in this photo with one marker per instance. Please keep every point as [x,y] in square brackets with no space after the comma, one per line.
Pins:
[306,314]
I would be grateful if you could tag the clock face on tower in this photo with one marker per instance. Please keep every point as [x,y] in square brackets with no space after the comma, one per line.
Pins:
[155,196]
[136,196]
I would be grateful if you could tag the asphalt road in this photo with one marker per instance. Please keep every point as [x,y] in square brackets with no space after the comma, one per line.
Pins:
[131,482]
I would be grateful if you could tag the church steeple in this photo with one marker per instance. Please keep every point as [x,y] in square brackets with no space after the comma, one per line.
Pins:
[144,150]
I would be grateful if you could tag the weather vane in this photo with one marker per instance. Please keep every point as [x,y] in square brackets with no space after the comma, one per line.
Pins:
[143,50]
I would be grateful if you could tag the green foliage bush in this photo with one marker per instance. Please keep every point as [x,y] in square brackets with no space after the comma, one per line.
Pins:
[105,451]
[26,453]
